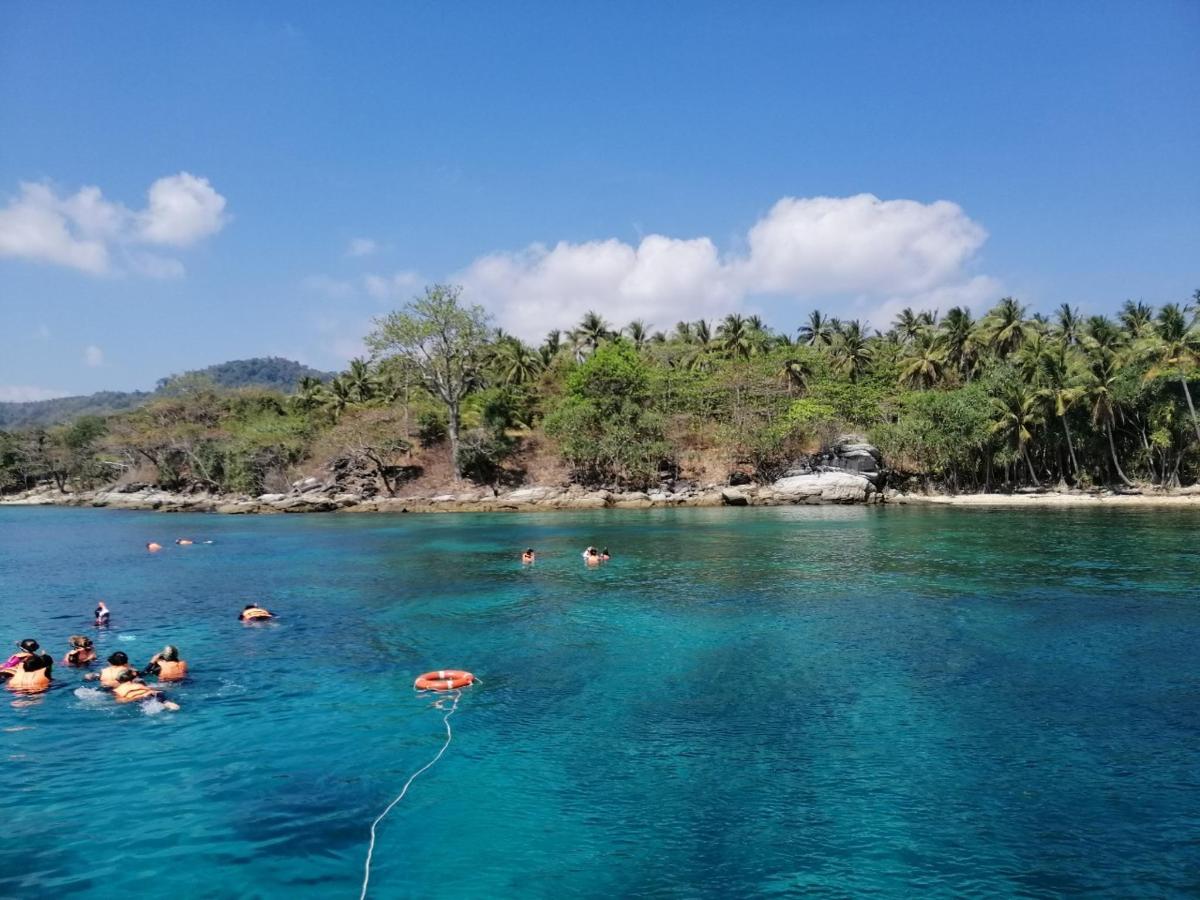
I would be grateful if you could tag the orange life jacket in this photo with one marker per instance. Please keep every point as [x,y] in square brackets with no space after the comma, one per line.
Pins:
[172,671]
[129,691]
[109,675]
[29,682]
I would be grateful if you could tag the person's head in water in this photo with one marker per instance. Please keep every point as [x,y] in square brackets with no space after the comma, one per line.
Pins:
[29,645]
[249,606]
[127,675]
[118,659]
[169,653]
[36,661]
[79,642]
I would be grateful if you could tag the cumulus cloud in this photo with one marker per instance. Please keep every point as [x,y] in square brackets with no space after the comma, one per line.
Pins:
[24,393]
[93,356]
[87,232]
[361,246]
[863,253]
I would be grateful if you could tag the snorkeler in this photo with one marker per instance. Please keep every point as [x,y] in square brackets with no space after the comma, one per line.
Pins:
[184,542]
[528,556]
[154,546]
[118,664]
[32,676]
[167,665]
[604,555]
[252,612]
[25,649]
[102,615]
[82,653]
[131,689]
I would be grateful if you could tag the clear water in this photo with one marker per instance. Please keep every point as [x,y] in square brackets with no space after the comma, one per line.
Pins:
[757,702]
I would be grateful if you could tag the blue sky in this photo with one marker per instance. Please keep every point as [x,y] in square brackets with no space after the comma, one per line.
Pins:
[180,185]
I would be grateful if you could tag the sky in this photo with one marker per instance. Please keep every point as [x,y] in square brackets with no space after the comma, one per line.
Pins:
[186,184]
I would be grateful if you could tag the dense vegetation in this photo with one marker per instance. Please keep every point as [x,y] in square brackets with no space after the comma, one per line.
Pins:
[954,402]
[268,372]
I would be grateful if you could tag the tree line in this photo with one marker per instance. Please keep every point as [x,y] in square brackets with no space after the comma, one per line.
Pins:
[957,402]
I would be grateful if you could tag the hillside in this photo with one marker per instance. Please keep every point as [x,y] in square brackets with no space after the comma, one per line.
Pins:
[268,371]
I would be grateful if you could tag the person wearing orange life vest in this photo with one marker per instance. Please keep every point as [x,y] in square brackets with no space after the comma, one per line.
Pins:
[32,676]
[252,612]
[167,665]
[82,653]
[131,689]
[118,663]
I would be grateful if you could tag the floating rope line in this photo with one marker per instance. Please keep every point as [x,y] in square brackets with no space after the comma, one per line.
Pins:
[411,779]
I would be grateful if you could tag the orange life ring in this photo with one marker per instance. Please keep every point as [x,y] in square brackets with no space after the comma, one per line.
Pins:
[444,680]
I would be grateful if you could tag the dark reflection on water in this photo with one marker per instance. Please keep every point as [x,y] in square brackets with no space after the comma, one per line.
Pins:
[828,701]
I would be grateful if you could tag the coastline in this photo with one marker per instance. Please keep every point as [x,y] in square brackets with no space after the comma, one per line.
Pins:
[810,490]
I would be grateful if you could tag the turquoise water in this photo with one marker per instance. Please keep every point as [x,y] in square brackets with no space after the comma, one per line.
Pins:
[752,702]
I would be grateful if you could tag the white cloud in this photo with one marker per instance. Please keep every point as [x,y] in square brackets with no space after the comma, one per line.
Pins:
[183,209]
[85,231]
[361,246]
[93,356]
[387,287]
[865,253]
[22,393]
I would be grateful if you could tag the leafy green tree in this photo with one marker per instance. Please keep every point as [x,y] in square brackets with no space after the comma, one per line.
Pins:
[816,331]
[1016,414]
[445,341]
[1174,351]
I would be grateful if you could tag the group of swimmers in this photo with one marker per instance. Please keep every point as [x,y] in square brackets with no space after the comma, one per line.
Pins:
[30,670]
[591,556]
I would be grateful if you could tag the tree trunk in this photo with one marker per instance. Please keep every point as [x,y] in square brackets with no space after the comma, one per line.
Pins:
[452,432]
[1029,463]
[1071,448]
[1187,393]
[1113,449]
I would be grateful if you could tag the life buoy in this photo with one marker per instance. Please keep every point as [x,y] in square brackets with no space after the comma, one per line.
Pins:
[444,680]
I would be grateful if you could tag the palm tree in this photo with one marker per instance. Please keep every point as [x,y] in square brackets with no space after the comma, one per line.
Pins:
[961,336]
[908,325]
[1099,333]
[795,373]
[735,337]
[592,332]
[658,337]
[1068,324]
[1174,349]
[1101,393]
[516,363]
[701,332]
[550,346]
[924,365]
[637,332]
[308,393]
[850,352]
[817,331]
[683,332]
[1136,319]
[1005,326]
[1016,415]
[338,397]
[1059,393]
[360,381]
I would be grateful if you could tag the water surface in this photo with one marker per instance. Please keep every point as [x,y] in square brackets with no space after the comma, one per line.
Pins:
[750,702]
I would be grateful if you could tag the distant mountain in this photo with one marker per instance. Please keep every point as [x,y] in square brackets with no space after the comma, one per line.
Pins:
[269,372]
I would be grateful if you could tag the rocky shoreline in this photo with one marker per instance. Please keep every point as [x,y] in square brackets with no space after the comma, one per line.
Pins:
[819,488]
[312,495]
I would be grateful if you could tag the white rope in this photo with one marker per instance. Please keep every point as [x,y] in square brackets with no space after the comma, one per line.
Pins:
[400,796]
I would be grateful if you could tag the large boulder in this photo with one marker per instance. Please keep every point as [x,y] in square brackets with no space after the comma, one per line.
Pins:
[824,487]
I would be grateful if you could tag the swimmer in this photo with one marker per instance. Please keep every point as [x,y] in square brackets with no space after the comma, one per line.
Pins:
[604,555]
[591,556]
[131,689]
[102,615]
[33,676]
[528,556]
[25,649]
[118,664]
[81,653]
[153,547]
[167,665]
[252,612]
[184,542]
